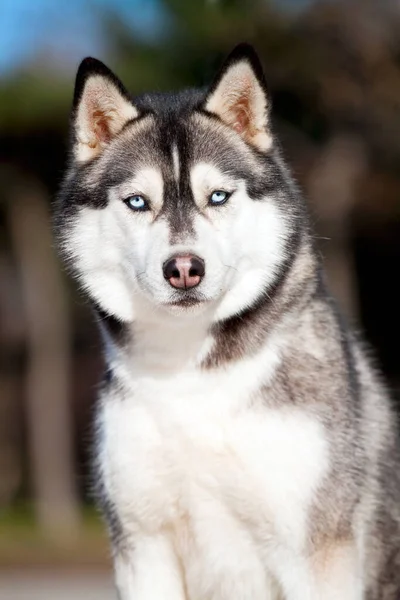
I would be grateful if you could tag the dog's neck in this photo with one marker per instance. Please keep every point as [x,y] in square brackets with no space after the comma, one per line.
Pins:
[170,342]
[157,342]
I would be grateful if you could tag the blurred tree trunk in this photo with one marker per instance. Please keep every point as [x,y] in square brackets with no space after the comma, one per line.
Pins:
[332,190]
[48,348]
[12,329]
[10,439]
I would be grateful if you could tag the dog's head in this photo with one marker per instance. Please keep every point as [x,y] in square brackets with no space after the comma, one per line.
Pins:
[176,201]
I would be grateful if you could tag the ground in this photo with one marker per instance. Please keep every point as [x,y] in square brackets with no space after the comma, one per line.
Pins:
[40,567]
[46,585]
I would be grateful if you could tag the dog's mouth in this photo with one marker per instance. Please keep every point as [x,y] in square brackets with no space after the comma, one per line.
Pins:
[187,300]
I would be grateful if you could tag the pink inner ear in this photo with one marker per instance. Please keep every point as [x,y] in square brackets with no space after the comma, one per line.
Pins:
[242,117]
[101,127]
[238,126]
[241,123]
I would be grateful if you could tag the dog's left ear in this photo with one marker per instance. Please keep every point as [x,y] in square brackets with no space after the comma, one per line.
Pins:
[238,97]
[101,109]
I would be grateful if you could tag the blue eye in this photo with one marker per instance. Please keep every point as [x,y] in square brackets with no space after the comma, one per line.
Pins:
[137,202]
[219,197]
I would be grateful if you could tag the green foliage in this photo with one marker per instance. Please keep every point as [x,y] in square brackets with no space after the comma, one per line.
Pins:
[328,68]
[194,37]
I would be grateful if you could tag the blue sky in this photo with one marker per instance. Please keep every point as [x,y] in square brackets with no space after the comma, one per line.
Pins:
[64,30]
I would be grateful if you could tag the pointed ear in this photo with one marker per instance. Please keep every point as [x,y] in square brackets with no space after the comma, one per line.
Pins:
[101,108]
[238,97]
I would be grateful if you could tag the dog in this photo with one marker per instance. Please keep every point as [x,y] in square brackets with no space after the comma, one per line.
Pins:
[246,447]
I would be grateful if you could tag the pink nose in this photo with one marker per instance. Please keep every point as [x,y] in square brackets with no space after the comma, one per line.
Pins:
[184,271]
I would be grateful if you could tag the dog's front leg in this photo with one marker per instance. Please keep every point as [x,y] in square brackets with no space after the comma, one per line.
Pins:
[332,573]
[147,568]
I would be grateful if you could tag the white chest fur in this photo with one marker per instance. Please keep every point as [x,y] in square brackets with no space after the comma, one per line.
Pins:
[201,455]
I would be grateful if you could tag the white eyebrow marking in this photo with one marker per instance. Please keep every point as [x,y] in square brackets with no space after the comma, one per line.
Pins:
[147,181]
[175,158]
[206,178]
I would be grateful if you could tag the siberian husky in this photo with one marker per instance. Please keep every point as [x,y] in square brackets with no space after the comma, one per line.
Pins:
[246,448]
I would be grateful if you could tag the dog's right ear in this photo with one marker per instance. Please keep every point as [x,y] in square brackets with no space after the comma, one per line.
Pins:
[240,99]
[101,109]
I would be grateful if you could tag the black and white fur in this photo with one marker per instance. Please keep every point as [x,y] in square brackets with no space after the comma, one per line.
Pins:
[246,449]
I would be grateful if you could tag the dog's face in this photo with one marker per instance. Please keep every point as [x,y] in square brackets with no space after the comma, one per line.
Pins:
[177,203]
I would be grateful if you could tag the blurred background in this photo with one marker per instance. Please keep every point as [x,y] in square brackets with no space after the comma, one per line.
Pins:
[333,69]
